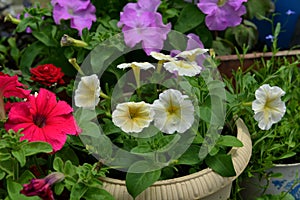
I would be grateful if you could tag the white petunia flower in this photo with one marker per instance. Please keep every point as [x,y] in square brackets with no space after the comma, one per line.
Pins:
[268,107]
[161,56]
[132,117]
[183,68]
[88,92]
[173,112]
[183,63]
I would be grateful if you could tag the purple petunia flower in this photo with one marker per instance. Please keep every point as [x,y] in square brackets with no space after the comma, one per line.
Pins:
[141,23]
[222,13]
[81,13]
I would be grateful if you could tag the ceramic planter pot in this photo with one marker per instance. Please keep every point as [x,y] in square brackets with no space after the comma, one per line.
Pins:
[204,184]
[288,182]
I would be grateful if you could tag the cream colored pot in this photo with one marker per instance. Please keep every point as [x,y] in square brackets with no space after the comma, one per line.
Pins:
[204,184]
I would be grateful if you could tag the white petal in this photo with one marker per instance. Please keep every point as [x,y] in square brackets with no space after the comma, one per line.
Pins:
[124,65]
[161,56]
[143,65]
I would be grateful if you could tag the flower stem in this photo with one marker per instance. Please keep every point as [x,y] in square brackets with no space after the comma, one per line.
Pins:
[75,65]
[2,110]
[104,95]
[247,103]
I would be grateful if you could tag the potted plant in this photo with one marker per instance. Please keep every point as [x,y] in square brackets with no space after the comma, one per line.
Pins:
[144,104]
[274,164]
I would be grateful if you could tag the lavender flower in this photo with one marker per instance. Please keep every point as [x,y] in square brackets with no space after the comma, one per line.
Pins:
[81,13]
[222,13]
[290,12]
[270,37]
[141,23]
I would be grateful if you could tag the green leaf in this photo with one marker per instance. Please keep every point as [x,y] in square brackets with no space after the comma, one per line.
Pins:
[221,164]
[5,156]
[96,193]
[20,156]
[189,18]
[68,154]
[7,166]
[44,37]
[69,169]
[58,164]
[26,177]
[190,156]
[78,190]
[138,182]
[32,148]
[229,141]
[2,175]
[59,188]
[29,55]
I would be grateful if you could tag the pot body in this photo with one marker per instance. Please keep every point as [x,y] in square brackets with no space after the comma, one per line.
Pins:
[288,182]
[205,184]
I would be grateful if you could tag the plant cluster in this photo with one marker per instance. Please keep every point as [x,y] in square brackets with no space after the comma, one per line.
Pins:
[93,88]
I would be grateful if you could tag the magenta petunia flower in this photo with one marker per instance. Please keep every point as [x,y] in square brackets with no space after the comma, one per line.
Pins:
[222,13]
[141,23]
[42,187]
[81,13]
[42,118]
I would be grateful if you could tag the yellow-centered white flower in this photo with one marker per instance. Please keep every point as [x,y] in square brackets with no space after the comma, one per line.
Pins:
[184,63]
[268,107]
[132,117]
[88,92]
[173,112]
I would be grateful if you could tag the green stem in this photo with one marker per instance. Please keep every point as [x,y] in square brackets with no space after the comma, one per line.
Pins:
[2,110]
[75,65]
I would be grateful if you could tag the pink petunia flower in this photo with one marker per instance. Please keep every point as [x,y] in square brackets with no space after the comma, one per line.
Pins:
[43,118]
[10,87]
[42,187]
[81,13]
[222,13]
[141,23]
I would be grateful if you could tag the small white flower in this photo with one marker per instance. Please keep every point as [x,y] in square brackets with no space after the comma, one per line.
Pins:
[132,117]
[141,65]
[88,92]
[268,107]
[173,112]
[184,63]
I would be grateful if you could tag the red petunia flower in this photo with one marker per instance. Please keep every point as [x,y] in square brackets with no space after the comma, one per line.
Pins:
[42,187]
[11,87]
[42,118]
[47,74]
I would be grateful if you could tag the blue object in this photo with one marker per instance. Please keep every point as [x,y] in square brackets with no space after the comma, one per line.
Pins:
[288,14]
